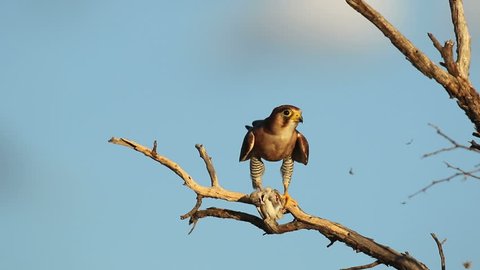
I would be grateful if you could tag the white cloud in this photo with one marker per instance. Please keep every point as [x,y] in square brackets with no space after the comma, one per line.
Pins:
[329,23]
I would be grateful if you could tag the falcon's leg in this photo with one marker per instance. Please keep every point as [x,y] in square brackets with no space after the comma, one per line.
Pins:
[287,171]
[256,172]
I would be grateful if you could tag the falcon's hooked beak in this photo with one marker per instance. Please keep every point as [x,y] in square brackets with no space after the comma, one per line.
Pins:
[297,117]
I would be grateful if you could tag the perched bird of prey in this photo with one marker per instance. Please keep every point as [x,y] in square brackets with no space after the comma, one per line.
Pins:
[275,138]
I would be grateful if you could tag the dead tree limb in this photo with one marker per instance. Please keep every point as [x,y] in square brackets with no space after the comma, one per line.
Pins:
[455,79]
[440,250]
[333,231]
[365,266]
[208,164]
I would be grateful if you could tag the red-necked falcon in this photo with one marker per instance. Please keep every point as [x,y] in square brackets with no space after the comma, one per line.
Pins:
[275,138]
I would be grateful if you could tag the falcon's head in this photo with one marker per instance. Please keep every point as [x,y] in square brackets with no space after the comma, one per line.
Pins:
[287,113]
[286,116]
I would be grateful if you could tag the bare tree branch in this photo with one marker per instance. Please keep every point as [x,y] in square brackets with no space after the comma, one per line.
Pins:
[208,163]
[366,266]
[229,214]
[454,146]
[333,231]
[440,250]
[463,37]
[446,51]
[206,192]
[194,209]
[294,225]
[413,54]
[464,173]
[456,79]
[460,172]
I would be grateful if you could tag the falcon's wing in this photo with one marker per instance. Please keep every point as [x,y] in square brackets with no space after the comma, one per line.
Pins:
[257,123]
[247,146]
[300,152]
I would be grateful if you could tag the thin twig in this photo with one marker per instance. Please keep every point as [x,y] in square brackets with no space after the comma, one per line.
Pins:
[332,241]
[366,266]
[440,250]
[194,225]
[446,51]
[459,173]
[436,43]
[436,152]
[440,132]
[154,149]
[454,146]
[194,209]
[463,172]
[208,164]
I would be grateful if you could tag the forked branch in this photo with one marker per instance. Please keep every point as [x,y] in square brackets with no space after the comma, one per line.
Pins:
[331,230]
[455,79]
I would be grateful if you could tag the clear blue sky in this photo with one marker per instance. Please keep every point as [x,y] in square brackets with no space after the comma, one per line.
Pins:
[75,73]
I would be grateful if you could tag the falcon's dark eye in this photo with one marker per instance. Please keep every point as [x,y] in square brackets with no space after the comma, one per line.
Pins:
[286,112]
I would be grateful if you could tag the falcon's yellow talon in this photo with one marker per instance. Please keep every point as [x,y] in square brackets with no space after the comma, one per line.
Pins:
[288,200]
